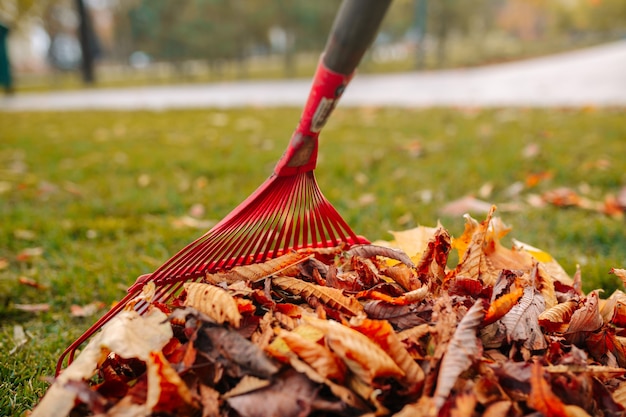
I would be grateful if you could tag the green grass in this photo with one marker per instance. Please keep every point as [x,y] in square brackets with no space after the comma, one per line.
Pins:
[101,192]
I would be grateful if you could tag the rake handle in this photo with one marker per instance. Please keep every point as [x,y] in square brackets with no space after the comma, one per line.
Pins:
[353,31]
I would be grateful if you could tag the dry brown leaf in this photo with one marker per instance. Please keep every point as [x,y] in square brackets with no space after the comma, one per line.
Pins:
[586,318]
[381,332]
[556,319]
[431,267]
[167,392]
[329,296]
[325,362]
[247,384]
[619,395]
[620,273]
[292,395]
[474,263]
[424,407]
[30,282]
[541,397]
[404,276]
[464,349]
[342,392]
[464,405]
[364,358]
[213,301]
[210,400]
[242,356]
[257,272]
[371,251]
[498,409]
[522,321]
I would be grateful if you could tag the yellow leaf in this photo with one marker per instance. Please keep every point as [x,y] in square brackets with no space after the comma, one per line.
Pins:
[412,241]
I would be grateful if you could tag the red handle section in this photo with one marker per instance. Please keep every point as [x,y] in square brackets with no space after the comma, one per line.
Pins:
[301,153]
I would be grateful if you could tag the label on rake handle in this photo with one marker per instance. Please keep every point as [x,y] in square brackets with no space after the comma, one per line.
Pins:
[327,88]
[301,154]
[324,109]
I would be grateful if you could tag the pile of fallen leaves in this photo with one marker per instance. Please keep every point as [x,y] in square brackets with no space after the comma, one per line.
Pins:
[370,330]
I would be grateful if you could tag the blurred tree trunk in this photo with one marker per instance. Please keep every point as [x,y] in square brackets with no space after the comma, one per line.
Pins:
[5,64]
[86,45]
[421,17]
[442,31]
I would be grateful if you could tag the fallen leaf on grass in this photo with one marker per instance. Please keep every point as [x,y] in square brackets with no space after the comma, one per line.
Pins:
[32,308]
[29,282]
[86,310]
[19,338]
[29,253]
[468,204]
[24,234]
[192,223]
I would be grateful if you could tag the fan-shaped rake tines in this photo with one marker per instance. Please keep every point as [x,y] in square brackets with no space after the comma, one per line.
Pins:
[286,212]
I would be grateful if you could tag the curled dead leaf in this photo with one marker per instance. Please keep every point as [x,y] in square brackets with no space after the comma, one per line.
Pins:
[330,296]
[362,356]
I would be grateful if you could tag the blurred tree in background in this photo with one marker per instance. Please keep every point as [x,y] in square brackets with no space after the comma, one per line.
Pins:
[214,34]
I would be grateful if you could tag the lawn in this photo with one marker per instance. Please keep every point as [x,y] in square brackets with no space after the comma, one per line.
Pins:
[91,200]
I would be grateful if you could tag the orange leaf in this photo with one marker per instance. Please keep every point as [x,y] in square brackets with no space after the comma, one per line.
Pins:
[541,397]
[502,305]
[326,363]
[30,282]
[381,332]
[364,358]
[166,390]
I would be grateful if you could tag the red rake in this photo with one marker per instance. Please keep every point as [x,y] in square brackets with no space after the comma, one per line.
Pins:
[288,211]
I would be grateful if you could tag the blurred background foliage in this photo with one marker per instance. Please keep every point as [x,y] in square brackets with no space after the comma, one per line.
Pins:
[147,41]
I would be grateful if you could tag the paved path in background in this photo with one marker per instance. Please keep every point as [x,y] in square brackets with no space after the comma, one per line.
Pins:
[590,77]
